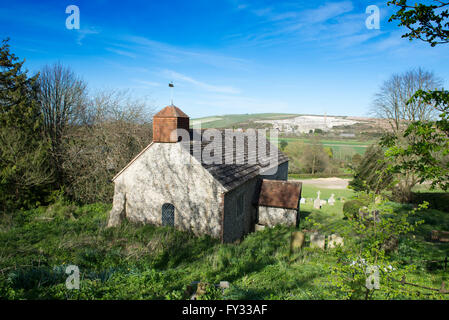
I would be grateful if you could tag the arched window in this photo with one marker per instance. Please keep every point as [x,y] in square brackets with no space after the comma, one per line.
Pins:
[168,214]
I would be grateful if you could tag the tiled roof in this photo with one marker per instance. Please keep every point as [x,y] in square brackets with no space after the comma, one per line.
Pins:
[169,112]
[280,194]
[231,175]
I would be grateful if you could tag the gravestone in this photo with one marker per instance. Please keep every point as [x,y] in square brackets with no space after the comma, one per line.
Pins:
[364,212]
[323,202]
[317,240]
[302,201]
[334,241]
[224,285]
[317,202]
[201,288]
[331,200]
[296,240]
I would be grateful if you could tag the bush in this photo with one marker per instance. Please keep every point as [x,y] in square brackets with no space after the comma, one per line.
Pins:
[34,277]
[351,208]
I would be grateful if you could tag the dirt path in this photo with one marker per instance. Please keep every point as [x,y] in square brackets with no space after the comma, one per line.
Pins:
[328,183]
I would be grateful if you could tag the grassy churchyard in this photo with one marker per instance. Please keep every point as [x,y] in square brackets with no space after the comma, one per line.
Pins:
[147,262]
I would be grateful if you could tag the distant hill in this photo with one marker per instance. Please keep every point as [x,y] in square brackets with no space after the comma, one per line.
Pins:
[288,123]
[230,120]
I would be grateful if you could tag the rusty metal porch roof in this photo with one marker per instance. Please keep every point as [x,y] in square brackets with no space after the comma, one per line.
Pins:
[280,194]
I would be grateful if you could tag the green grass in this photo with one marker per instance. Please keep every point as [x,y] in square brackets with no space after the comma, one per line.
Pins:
[311,192]
[338,146]
[147,262]
[331,216]
[141,262]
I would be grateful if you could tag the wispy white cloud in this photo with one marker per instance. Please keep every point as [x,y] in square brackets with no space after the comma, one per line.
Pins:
[126,67]
[263,12]
[242,6]
[284,23]
[147,83]
[353,40]
[326,12]
[393,41]
[175,76]
[83,32]
[177,54]
[122,52]
[337,27]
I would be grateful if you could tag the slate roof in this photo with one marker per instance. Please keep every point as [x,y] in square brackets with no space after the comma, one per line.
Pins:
[245,166]
[280,194]
[229,175]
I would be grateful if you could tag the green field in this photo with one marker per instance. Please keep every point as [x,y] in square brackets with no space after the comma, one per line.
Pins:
[339,147]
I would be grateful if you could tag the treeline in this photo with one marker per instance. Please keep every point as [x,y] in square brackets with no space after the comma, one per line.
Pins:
[314,159]
[310,158]
[57,137]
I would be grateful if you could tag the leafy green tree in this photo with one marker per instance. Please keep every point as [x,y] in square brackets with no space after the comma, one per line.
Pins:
[295,150]
[426,22]
[24,171]
[356,159]
[283,144]
[315,158]
[392,103]
[371,174]
[18,107]
[428,151]
[329,152]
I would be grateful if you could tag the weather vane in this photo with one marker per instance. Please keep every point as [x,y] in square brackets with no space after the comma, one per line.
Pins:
[171,86]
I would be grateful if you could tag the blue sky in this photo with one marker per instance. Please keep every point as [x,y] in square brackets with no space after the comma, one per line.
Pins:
[227,56]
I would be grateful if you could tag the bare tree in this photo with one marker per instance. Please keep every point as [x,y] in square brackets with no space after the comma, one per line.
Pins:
[91,136]
[119,128]
[391,101]
[63,99]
